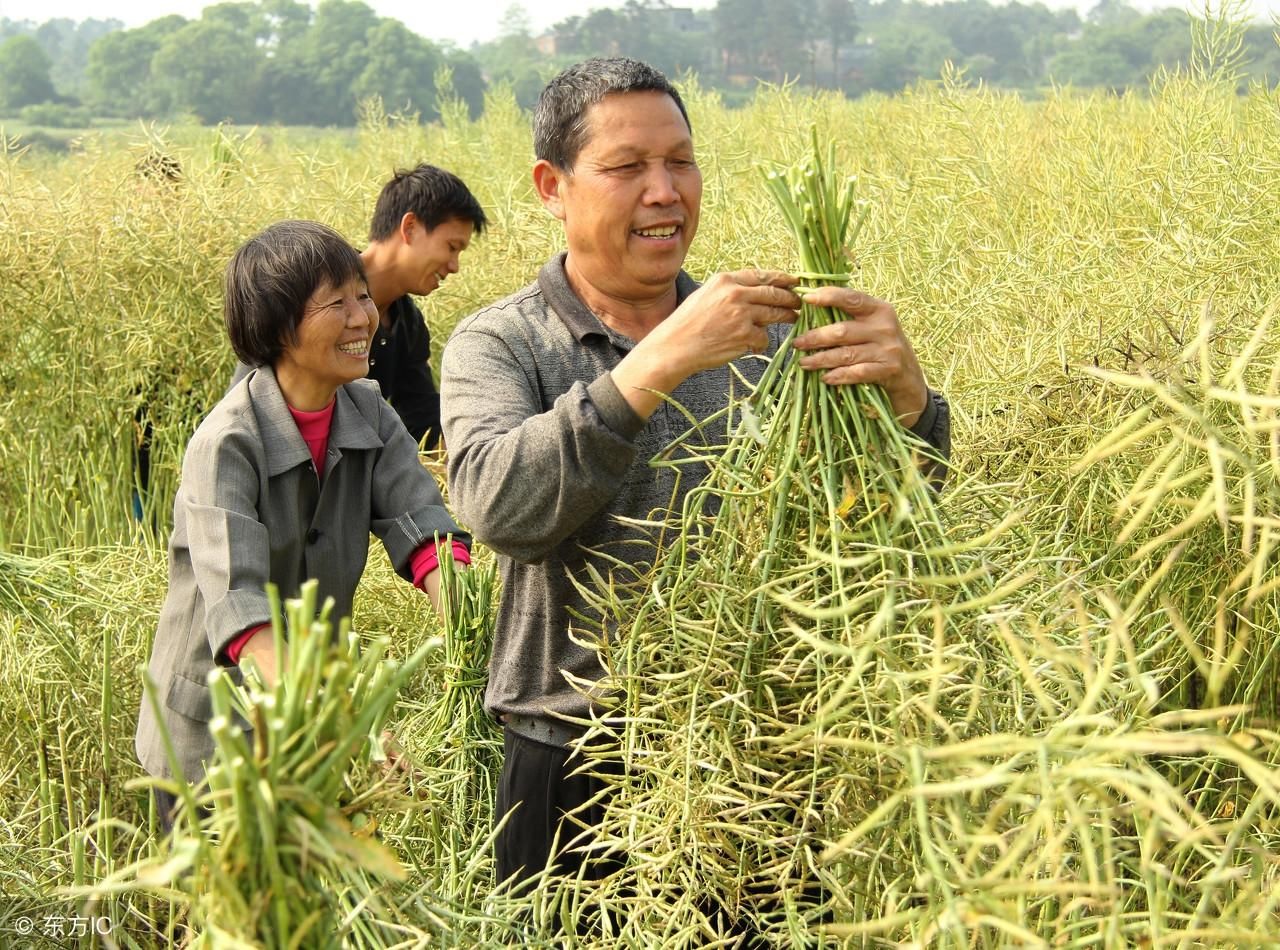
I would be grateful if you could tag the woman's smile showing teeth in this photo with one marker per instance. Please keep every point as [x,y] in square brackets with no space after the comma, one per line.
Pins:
[358,348]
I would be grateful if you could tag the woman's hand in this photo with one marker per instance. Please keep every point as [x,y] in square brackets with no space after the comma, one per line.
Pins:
[261,648]
[431,586]
[430,582]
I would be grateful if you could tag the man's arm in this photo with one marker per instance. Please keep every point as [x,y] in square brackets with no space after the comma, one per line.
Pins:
[723,320]
[525,478]
[521,478]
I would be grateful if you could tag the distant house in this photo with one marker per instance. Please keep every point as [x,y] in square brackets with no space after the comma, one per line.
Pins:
[611,32]
[683,20]
[546,44]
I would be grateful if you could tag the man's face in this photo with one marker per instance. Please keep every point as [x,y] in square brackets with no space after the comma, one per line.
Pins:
[435,254]
[630,204]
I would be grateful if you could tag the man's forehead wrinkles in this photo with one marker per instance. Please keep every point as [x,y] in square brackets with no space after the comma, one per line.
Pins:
[609,151]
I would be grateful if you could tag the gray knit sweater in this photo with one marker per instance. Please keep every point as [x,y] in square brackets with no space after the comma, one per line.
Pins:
[545,454]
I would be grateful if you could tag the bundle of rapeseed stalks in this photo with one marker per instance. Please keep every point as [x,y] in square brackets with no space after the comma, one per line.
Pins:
[459,745]
[279,847]
[838,717]
[800,594]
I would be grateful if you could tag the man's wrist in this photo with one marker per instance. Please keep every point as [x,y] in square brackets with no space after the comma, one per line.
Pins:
[644,377]
[909,404]
[924,419]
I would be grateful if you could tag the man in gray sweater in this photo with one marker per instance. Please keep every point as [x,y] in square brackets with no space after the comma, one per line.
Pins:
[552,407]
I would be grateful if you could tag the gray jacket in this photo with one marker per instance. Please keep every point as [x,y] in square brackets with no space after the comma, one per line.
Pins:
[251,510]
[545,459]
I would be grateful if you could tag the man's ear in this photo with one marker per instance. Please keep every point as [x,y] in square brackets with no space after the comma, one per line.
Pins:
[407,225]
[547,181]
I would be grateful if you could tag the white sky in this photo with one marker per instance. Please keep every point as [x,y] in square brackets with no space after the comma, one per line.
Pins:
[462,21]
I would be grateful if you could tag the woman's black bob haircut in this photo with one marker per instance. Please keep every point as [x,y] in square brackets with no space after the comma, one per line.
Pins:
[269,280]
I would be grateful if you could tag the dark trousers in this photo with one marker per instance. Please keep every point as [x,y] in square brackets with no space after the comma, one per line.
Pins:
[538,782]
[166,807]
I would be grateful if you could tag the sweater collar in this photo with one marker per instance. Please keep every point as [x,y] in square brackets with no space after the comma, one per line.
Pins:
[576,315]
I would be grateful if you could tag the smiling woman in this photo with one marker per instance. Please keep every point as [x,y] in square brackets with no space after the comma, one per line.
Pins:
[332,346]
[284,481]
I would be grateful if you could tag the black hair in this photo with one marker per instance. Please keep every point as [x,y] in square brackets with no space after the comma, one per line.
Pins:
[271,277]
[560,117]
[432,194]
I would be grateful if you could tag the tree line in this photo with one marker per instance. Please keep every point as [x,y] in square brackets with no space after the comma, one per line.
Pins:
[276,61]
[281,61]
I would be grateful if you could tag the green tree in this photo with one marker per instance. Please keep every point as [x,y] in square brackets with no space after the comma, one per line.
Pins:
[1262,54]
[24,73]
[67,44]
[282,22]
[838,23]
[243,17]
[988,39]
[740,35]
[468,81]
[902,56]
[657,33]
[1112,13]
[1086,67]
[401,70]
[118,75]
[312,77]
[603,32]
[1125,52]
[793,27]
[769,39]
[513,57]
[648,30]
[210,68]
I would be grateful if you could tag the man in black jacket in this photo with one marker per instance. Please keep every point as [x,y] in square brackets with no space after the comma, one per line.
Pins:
[423,221]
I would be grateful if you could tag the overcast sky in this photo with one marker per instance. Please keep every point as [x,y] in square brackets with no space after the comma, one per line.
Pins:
[462,21]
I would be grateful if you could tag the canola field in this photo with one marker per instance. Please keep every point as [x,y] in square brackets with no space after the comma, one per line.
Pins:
[1063,733]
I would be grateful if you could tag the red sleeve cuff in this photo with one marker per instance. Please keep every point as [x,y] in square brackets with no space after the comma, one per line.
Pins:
[232,651]
[426,559]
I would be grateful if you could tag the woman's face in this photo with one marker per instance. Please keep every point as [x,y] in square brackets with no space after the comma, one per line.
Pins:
[333,343]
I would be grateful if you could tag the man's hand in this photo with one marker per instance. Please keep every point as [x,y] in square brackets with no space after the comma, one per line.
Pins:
[726,318]
[870,347]
[722,320]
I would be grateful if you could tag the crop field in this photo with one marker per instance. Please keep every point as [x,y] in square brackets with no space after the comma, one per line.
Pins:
[1046,719]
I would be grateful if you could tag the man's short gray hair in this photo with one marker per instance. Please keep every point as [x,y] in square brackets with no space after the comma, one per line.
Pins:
[560,118]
